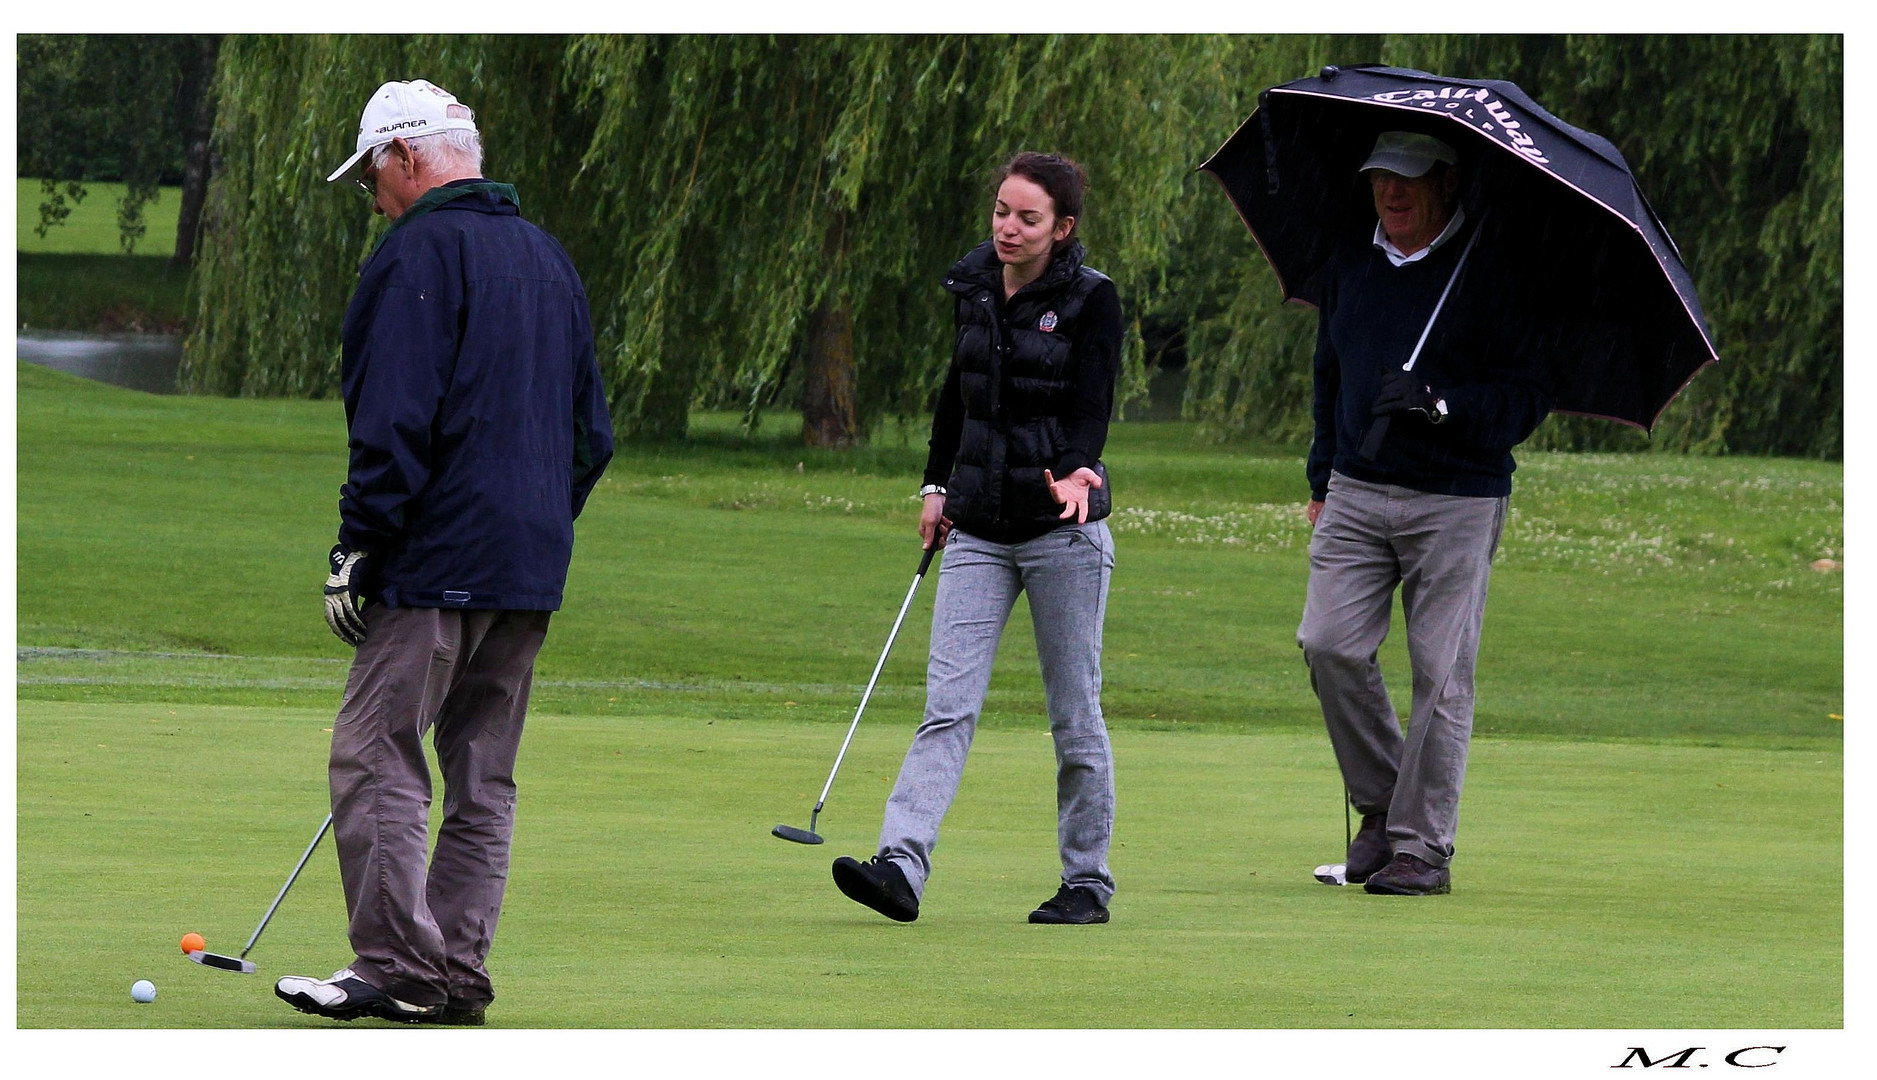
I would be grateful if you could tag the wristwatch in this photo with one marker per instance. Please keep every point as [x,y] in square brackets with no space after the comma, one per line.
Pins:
[931,489]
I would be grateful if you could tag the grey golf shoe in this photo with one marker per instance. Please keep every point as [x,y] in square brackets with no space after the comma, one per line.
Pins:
[345,996]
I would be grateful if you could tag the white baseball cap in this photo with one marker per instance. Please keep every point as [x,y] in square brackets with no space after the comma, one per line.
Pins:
[409,110]
[1403,152]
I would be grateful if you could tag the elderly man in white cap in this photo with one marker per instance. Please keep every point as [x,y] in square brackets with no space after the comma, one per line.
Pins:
[1410,471]
[477,430]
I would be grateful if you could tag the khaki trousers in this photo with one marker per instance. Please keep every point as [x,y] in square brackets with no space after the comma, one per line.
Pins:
[422,936]
[1370,540]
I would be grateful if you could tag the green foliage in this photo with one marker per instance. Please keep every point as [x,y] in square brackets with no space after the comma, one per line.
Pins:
[144,293]
[851,170]
[281,247]
[103,107]
[716,191]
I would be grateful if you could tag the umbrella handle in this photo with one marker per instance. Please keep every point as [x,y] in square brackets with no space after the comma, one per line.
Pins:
[1372,443]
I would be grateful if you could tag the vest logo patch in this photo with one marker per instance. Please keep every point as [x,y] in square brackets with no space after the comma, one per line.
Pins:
[1047,323]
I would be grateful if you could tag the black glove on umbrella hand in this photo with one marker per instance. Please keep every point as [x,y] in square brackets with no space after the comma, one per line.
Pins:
[1402,391]
[343,603]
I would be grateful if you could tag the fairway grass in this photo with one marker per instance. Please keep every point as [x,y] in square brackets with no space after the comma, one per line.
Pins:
[1651,836]
[1600,885]
[92,227]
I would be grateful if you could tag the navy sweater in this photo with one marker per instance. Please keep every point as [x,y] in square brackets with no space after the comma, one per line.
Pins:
[1487,356]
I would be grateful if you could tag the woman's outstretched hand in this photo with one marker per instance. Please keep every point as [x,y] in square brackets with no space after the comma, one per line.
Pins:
[1072,492]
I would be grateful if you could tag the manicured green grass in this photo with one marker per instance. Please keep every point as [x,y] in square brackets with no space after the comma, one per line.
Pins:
[1602,885]
[719,572]
[78,276]
[92,228]
[1652,833]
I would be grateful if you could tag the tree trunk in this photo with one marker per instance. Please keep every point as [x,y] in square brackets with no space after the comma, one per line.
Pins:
[828,384]
[828,412]
[195,176]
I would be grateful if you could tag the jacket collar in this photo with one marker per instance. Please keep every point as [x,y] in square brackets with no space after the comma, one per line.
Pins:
[496,195]
[981,269]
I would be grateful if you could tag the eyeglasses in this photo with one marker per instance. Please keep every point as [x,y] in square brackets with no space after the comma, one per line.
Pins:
[367,182]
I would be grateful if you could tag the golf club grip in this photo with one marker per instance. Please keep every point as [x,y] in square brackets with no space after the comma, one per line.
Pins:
[926,562]
[1372,444]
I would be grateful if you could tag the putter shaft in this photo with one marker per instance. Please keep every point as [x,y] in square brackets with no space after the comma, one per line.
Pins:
[924,564]
[323,826]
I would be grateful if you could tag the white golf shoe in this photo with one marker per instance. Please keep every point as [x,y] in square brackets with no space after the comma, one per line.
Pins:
[345,996]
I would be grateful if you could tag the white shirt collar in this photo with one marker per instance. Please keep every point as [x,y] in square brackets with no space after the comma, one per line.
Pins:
[1394,254]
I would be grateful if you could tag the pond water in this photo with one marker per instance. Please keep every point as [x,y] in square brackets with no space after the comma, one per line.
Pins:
[146,362]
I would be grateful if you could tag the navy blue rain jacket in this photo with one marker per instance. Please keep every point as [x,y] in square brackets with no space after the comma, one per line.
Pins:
[478,425]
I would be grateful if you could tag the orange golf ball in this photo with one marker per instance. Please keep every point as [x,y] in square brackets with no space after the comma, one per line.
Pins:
[193,943]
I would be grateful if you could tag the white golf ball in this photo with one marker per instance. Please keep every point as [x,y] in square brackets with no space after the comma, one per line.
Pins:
[143,990]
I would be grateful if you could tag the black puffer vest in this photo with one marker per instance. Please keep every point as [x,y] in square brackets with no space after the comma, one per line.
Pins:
[1017,377]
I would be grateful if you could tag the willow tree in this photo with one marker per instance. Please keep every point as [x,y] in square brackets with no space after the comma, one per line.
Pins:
[763,221]
[280,247]
[783,209]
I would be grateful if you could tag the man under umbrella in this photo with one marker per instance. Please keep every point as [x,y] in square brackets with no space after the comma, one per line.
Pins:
[1409,475]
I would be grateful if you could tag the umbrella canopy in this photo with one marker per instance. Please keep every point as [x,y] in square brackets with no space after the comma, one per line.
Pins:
[1633,333]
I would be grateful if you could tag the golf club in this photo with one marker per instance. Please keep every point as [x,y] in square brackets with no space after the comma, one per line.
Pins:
[1337,873]
[808,835]
[242,963]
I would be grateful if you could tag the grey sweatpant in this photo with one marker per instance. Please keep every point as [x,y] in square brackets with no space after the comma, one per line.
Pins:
[422,936]
[1438,549]
[1066,573]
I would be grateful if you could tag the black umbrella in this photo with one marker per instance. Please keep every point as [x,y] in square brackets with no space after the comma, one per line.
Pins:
[1634,331]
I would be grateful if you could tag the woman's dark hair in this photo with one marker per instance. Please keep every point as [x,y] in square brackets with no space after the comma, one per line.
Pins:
[1063,180]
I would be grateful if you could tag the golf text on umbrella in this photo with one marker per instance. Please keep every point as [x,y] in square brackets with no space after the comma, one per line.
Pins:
[1454,98]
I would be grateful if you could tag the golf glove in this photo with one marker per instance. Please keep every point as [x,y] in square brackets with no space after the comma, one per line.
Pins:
[1403,392]
[344,605]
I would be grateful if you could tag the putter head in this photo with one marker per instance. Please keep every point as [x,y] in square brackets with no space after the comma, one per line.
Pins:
[226,963]
[1333,874]
[799,836]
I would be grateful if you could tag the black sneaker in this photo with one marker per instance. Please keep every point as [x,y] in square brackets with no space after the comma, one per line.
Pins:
[459,1014]
[1073,905]
[1369,851]
[345,996]
[1408,875]
[878,884]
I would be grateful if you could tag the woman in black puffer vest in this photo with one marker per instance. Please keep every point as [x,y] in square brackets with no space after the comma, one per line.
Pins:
[1015,492]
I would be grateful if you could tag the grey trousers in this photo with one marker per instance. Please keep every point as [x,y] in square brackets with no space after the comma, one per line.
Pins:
[1066,573]
[1438,549]
[422,936]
